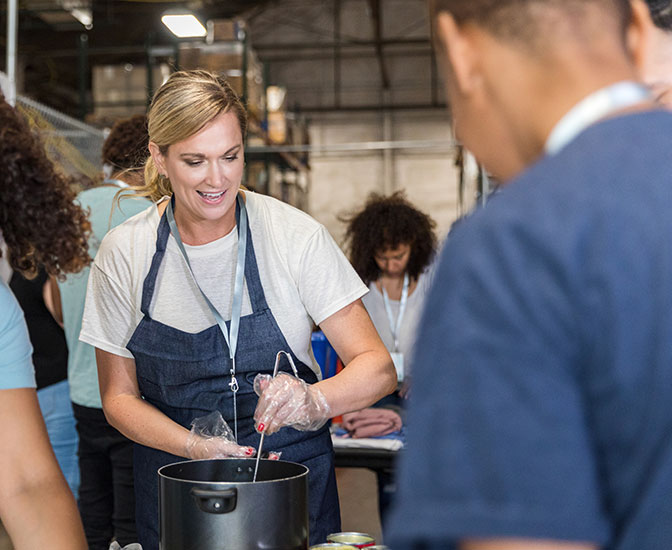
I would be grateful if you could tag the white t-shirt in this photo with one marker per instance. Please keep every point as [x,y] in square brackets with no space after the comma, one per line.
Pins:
[375,305]
[305,276]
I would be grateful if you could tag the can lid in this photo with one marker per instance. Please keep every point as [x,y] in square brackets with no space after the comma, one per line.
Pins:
[333,545]
[351,537]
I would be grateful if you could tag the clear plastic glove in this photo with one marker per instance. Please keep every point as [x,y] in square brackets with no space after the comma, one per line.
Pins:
[134,546]
[288,401]
[211,437]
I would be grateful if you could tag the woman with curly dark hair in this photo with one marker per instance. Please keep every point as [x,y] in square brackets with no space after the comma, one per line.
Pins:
[391,245]
[41,227]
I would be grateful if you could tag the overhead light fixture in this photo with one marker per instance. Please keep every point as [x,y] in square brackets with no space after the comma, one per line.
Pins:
[84,16]
[183,24]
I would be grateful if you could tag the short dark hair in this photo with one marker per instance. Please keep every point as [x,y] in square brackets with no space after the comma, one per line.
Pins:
[126,147]
[513,19]
[661,13]
[383,224]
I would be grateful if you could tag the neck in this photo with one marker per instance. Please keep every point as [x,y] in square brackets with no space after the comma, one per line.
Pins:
[195,232]
[391,278]
[131,177]
[546,90]
[656,64]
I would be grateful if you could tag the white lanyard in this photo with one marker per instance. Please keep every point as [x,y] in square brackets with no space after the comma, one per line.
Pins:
[395,325]
[230,335]
[593,108]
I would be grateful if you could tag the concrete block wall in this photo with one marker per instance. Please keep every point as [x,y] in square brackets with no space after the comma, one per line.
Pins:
[341,182]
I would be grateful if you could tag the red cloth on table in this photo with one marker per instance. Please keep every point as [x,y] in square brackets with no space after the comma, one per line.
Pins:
[372,422]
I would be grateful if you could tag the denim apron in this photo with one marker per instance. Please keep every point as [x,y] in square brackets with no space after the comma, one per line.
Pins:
[186,376]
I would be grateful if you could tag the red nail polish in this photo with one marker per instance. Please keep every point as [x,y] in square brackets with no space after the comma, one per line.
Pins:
[260,427]
[249,451]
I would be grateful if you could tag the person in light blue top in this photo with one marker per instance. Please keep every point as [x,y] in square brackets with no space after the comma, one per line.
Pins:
[106,496]
[42,227]
[82,372]
[16,367]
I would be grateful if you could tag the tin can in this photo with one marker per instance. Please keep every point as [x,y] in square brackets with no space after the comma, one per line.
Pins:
[333,545]
[358,540]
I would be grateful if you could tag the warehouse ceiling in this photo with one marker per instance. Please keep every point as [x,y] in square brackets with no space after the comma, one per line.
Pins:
[330,54]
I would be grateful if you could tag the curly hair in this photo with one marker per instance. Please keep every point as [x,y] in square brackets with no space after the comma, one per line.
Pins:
[126,146]
[385,223]
[39,220]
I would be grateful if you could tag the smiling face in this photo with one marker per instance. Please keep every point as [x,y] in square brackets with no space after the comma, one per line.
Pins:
[393,261]
[205,171]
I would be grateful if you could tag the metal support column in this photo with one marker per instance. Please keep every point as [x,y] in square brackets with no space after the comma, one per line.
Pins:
[82,73]
[12,27]
[337,53]
[244,68]
[149,66]
[389,183]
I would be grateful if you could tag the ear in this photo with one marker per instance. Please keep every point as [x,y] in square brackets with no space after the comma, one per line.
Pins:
[158,158]
[640,34]
[460,52]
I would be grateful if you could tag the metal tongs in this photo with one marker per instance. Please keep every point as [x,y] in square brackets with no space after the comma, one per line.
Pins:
[275,371]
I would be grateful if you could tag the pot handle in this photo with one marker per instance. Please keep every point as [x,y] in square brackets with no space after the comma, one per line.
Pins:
[215,502]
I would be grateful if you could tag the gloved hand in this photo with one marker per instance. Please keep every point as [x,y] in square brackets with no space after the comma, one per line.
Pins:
[211,437]
[288,401]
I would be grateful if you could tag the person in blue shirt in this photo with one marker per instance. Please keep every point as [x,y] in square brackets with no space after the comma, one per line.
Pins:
[541,415]
[40,225]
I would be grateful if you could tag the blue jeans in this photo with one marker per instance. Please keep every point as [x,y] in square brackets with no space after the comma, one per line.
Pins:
[60,420]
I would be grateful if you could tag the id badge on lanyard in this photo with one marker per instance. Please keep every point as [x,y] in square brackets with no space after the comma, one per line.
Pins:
[395,327]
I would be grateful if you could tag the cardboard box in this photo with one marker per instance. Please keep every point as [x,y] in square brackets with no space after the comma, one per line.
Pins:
[225,30]
[277,127]
[121,90]
[228,62]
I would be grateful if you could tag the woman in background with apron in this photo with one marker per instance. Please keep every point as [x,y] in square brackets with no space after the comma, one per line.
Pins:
[190,300]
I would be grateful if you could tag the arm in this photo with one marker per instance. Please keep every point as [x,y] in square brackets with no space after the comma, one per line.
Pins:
[36,504]
[520,544]
[287,401]
[52,300]
[145,424]
[370,373]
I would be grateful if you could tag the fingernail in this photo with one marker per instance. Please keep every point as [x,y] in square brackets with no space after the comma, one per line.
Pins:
[249,451]
[260,427]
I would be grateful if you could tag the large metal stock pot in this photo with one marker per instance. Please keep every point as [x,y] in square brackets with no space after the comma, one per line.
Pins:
[213,505]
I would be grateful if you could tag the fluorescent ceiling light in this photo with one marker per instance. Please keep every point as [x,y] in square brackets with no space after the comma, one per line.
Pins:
[83,16]
[184,25]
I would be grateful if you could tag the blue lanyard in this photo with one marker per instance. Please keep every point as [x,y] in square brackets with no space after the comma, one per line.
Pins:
[230,335]
[593,108]
[395,325]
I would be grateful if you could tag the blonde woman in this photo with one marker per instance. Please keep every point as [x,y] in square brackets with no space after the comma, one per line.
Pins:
[190,300]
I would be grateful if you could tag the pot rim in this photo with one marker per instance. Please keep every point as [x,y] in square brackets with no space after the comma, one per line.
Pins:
[164,476]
